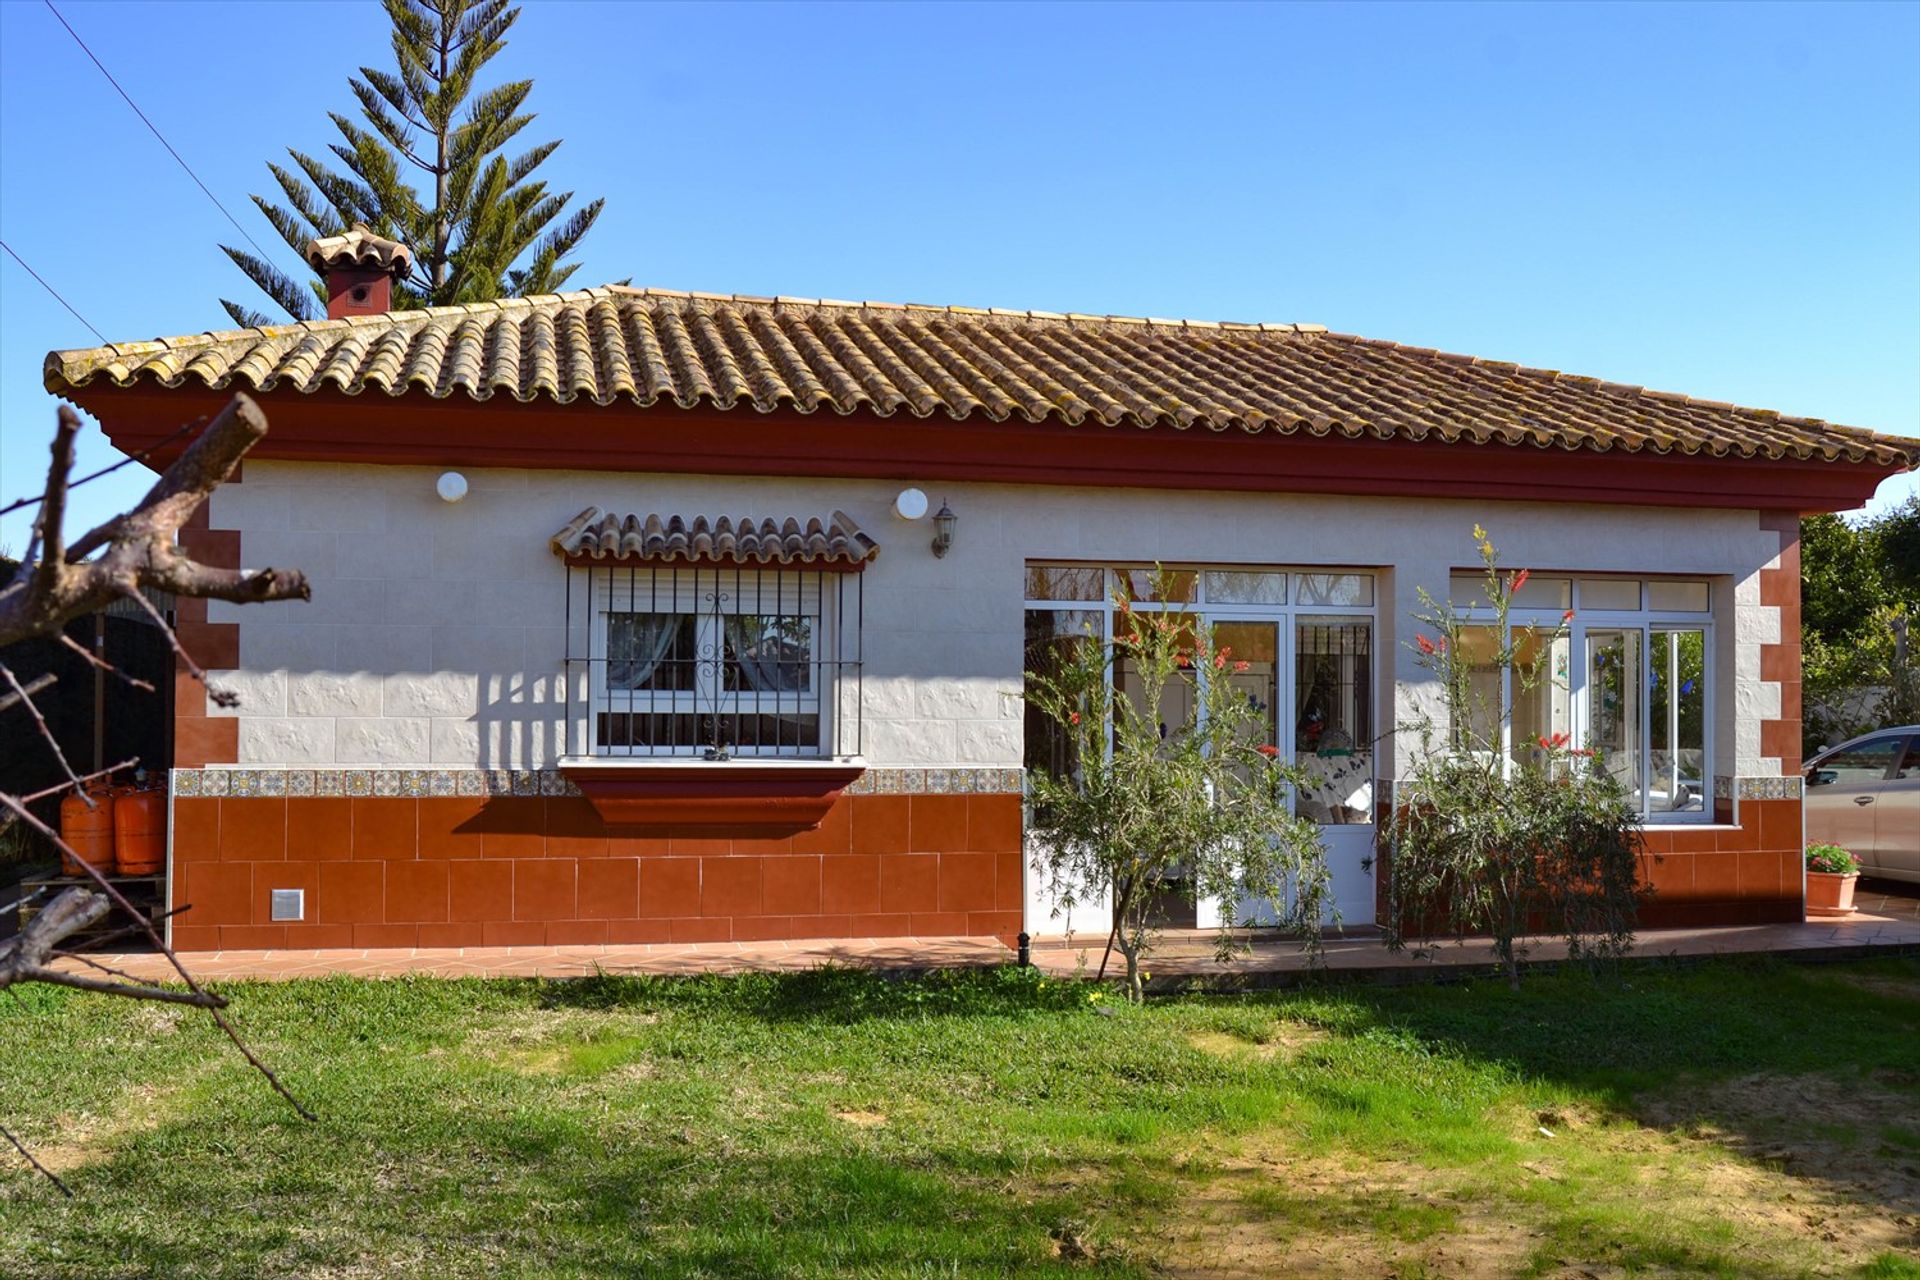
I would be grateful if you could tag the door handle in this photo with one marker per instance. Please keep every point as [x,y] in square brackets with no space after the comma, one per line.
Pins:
[1863,799]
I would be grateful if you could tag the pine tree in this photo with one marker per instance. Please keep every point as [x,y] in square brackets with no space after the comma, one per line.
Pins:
[481,227]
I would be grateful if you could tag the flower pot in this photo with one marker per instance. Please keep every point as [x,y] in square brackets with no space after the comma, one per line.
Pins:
[1829,894]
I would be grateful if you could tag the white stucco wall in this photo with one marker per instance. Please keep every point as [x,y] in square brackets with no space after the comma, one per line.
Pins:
[436,634]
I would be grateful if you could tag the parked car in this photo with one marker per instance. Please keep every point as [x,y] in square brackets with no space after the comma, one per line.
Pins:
[1864,795]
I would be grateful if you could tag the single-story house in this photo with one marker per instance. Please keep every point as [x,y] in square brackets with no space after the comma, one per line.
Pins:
[631,621]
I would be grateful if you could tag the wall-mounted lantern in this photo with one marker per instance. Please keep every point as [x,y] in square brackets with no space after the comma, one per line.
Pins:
[451,486]
[943,522]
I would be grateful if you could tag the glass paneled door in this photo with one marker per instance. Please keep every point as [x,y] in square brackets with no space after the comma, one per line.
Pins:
[1311,680]
[1306,639]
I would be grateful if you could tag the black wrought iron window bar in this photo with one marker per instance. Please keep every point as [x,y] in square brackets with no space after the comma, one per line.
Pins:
[713,661]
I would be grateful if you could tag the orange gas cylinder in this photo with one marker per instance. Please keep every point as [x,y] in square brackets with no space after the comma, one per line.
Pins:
[140,831]
[88,832]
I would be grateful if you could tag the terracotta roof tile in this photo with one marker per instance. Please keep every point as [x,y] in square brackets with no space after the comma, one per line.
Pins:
[594,535]
[651,347]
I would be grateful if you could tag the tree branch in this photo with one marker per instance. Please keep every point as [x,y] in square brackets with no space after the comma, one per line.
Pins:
[139,549]
[41,1169]
[103,664]
[20,694]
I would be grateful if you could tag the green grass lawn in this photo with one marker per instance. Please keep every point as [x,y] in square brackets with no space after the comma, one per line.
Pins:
[1729,1120]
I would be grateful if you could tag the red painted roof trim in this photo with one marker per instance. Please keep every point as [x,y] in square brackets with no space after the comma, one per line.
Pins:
[331,427]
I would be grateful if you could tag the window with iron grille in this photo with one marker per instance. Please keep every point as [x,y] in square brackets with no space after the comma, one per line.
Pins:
[713,639]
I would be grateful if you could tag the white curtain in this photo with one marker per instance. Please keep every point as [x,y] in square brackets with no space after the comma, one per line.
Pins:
[772,652]
[636,644]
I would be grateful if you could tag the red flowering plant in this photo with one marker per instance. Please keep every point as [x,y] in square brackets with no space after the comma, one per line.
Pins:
[1499,831]
[1169,783]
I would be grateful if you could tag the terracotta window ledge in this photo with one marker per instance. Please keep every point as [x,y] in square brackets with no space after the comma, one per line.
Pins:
[742,796]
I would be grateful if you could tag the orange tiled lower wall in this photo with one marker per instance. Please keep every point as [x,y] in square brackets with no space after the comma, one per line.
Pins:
[1749,874]
[529,870]
[1714,875]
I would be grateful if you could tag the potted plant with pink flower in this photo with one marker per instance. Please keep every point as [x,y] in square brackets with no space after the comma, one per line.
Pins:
[1831,874]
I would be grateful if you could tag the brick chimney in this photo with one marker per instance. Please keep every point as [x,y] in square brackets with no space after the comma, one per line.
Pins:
[360,268]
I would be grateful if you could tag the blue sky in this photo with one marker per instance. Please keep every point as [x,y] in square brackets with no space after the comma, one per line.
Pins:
[1720,200]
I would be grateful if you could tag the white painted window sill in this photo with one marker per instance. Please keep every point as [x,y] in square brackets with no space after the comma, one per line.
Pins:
[645,764]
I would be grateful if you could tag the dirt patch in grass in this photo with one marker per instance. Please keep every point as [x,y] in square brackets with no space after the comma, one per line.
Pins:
[1285,1040]
[1881,984]
[84,1137]
[861,1119]
[547,1042]
[1319,1216]
[1805,1187]
[1819,1158]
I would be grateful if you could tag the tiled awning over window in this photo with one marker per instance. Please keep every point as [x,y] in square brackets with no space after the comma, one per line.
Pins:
[836,544]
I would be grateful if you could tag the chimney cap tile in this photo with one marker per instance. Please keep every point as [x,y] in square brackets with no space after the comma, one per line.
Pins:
[359,247]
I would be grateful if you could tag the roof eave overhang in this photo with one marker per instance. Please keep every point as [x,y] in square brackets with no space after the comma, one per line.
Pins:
[329,426]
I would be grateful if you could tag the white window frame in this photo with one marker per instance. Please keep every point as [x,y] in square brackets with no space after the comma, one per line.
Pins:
[1646,622]
[796,593]
[1286,618]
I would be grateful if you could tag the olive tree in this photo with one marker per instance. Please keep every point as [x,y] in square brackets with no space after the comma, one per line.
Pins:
[1170,783]
[1504,842]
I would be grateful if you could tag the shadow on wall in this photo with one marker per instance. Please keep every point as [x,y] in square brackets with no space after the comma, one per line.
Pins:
[520,721]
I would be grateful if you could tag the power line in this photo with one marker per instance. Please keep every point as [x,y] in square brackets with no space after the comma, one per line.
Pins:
[156,132]
[50,289]
[129,460]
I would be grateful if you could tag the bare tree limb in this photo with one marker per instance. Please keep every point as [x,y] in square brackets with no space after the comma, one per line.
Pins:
[219,697]
[104,665]
[139,549]
[34,686]
[43,1171]
[84,780]
[123,557]
[20,694]
[160,945]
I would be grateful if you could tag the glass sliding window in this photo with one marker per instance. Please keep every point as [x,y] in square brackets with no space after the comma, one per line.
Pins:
[1336,588]
[1677,721]
[1612,595]
[1241,586]
[1066,582]
[1485,696]
[1333,709]
[1257,644]
[650,651]
[1675,596]
[1177,696]
[711,662]
[1631,682]
[1054,637]
[1613,702]
[1542,706]
[1146,583]
[1308,672]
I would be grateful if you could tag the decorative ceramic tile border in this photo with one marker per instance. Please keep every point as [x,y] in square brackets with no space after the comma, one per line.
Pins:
[531,782]
[938,782]
[1750,788]
[371,782]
